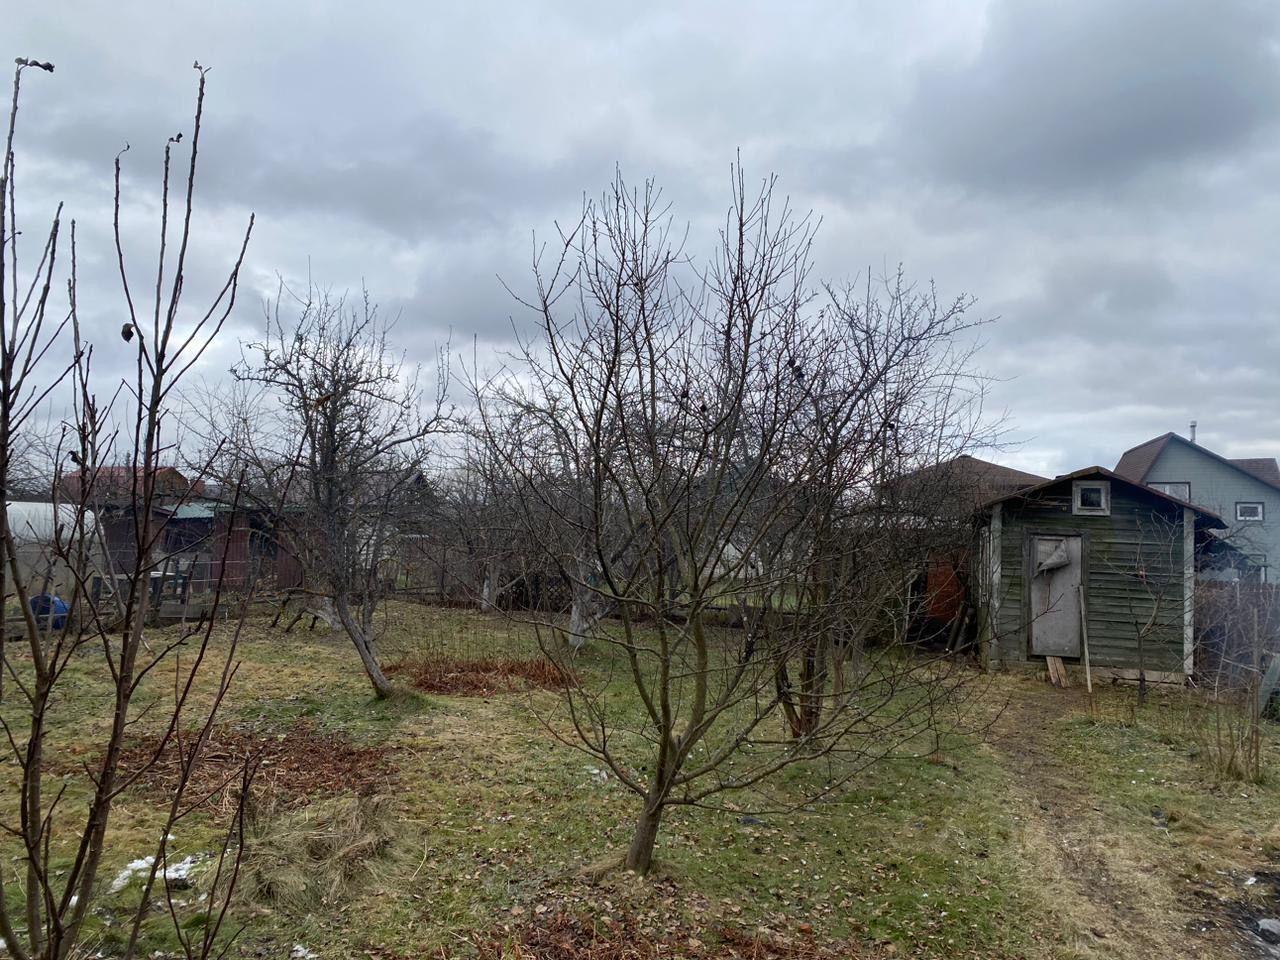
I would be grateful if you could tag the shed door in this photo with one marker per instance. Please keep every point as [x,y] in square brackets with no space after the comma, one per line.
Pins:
[1055,596]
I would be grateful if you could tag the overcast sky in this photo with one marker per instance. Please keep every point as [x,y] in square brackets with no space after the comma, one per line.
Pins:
[1103,176]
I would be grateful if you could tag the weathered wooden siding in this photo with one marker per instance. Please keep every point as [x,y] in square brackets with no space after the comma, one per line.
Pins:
[1140,536]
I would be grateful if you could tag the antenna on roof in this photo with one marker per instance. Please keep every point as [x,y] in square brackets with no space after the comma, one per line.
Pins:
[1193,431]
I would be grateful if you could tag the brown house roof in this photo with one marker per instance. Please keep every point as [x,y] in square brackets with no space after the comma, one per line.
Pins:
[1264,468]
[1136,463]
[992,474]
[966,480]
[115,485]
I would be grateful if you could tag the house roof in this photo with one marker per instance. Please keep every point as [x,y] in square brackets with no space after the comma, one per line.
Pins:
[1136,463]
[117,483]
[1264,468]
[991,474]
[1214,521]
[966,478]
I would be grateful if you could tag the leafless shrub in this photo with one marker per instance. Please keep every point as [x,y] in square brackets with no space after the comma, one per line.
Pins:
[61,830]
[1239,626]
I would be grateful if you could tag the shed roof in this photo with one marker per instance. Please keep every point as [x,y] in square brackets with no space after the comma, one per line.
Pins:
[1212,520]
[193,511]
[1136,463]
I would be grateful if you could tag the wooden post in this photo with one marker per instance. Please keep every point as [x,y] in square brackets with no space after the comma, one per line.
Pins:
[1255,713]
[1084,641]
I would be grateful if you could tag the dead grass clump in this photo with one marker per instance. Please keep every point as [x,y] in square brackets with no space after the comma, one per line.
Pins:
[294,767]
[1187,821]
[1227,731]
[1271,842]
[565,937]
[304,859]
[481,676]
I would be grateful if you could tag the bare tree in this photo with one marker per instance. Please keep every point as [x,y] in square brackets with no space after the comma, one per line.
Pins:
[341,462]
[63,598]
[474,531]
[702,456]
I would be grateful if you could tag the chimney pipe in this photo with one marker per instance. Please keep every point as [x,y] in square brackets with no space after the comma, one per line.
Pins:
[1193,431]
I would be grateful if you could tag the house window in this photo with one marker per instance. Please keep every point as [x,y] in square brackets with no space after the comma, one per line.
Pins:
[1250,512]
[1091,498]
[1180,489]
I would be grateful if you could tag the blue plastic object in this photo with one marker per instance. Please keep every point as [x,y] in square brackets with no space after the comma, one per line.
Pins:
[43,605]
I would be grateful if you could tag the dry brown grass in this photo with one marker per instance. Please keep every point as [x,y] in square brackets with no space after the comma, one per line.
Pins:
[479,677]
[309,859]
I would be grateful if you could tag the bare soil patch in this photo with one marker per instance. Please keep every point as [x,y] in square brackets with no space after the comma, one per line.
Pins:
[480,677]
[294,767]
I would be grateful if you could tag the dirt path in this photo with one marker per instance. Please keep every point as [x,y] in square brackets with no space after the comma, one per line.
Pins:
[1113,896]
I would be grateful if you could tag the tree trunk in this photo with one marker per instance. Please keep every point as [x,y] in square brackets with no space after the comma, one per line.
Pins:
[381,685]
[582,617]
[489,592]
[640,853]
[585,611]
[364,646]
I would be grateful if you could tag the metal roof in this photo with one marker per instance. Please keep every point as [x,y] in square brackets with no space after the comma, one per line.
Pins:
[192,511]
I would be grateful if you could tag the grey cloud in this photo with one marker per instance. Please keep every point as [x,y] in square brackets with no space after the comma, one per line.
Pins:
[1082,298]
[1091,94]
[1101,175]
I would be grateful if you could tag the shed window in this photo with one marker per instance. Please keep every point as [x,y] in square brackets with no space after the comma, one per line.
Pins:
[1091,498]
[1250,512]
[1180,489]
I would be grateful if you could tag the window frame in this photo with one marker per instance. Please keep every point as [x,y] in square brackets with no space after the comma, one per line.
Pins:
[1262,511]
[1159,484]
[1079,509]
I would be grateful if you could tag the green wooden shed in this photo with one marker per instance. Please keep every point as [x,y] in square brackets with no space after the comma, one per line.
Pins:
[1091,559]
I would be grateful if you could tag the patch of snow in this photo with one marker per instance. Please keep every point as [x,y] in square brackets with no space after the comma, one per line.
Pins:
[182,869]
[178,872]
[299,952]
[131,870]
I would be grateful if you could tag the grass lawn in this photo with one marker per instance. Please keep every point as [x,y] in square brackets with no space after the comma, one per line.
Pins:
[453,825]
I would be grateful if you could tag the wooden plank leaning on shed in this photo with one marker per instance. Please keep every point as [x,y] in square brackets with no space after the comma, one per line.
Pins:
[1084,642]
